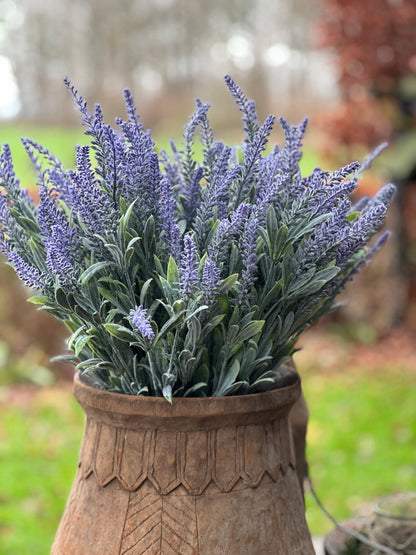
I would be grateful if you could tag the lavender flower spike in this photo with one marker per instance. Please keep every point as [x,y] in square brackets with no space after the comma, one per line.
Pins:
[138,317]
[210,280]
[30,275]
[249,256]
[189,267]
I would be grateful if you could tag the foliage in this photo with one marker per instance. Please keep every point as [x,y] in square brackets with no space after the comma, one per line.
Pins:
[373,44]
[178,277]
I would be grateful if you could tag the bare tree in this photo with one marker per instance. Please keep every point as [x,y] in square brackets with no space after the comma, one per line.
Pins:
[157,47]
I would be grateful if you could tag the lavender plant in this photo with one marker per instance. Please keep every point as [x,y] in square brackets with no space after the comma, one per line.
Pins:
[186,275]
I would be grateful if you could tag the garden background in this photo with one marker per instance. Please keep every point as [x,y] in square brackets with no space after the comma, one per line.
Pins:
[351,67]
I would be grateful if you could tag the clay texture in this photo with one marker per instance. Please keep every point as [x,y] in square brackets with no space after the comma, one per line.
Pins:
[200,476]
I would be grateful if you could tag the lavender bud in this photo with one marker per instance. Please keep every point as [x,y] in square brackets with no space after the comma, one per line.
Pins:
[189,267]
[138,317]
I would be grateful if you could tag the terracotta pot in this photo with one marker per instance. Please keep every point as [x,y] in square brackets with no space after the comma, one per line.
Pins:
[203,475]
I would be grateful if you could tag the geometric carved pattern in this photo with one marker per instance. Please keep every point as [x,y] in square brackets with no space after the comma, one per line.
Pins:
[159,524]
[160,479]
[192,459]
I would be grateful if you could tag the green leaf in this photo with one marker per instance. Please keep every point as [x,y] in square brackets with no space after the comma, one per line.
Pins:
[178,306]
[202,373]
[328,273]
[276,237]
[124,220]
[227,284]
[235,317]
[83,313]
[232,333]
[287,266]
[158,266]
[37,299]
[167,393]
[278,242]
[173,272]
[351,217]
[271,295]
[287,323]
[88,362]
[92,270]
[304,228]
[116,253]
[250,330]
[301,281]
[234,257]
[209,326]
[193,337]
[120,332]
[80,343]
[201,263]
[144,290]
[65,358]
[71,340]
[116,282]
[271,222]
[229,378]
[169,292]
[262,384]
[195,312]
[130,251]
[71,325]
[61,298]
[240,388]
[194,388]
[175,320]
[116,302]
[27,224]
[149,233]
[313,287]
[123,204]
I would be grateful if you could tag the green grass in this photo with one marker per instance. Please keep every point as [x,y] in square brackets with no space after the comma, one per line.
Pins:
[361,440]
[39,447]
[61,142]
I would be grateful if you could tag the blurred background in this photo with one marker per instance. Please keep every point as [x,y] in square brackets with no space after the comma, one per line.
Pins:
[351,67]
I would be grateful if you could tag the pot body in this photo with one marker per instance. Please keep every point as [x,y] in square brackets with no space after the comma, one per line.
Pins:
[198,476]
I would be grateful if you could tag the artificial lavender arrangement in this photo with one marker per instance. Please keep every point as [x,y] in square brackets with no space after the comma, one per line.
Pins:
[185,275]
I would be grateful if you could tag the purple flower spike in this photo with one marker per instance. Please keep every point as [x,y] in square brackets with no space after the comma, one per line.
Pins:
[30,276]
[227,231]
[246,106]
[210,280]
[192,195]
[4,210]
[189,268]
[138,317]
[61,243]
[249,256]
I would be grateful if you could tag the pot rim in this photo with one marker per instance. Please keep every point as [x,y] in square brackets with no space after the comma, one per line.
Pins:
[380,511]
[141,410]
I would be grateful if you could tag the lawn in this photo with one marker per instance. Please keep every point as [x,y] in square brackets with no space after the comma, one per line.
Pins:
[361,441]
[61,142]
[362,429]
[40,433]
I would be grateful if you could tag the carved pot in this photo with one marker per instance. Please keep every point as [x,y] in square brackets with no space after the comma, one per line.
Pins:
[200,475]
